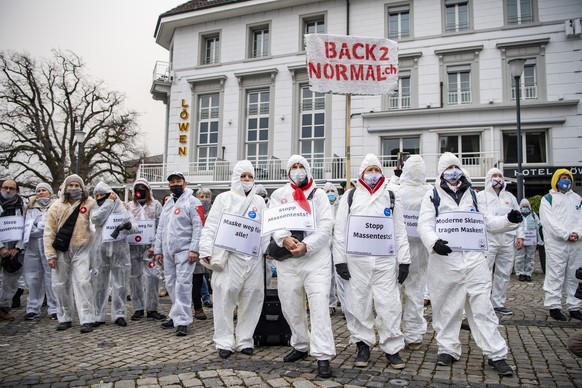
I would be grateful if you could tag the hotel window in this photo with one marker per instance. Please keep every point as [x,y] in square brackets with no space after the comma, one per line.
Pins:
[257,126]
[457,16]
[459,84]
[527,82]
[519,12]
[533,146]
[312,25]
[312,131]
[401,97]
[391,146]
[211,49]
[399,22]
[260,41]
[465,147]
[208,119]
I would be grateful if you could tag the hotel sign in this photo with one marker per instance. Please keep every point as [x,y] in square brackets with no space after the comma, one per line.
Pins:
[542,172]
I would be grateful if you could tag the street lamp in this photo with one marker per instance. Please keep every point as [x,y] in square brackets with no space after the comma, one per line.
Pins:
[80,137]
[516,69]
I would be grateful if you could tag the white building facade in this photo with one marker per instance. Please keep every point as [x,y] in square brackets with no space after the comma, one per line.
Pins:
[236,87]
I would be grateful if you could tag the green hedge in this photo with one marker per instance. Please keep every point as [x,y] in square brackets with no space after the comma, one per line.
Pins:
[535,203]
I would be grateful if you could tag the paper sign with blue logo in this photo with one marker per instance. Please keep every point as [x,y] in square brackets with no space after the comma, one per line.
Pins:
[239,234]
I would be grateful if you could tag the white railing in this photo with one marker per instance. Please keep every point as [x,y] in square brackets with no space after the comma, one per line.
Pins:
[161,72]
[456,98]
[330,168]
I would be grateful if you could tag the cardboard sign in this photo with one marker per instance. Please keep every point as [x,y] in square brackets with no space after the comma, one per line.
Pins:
[238,234]
[109,226]
[531,237]
[464,231]
[411,222]
[370,236]
[146,234]
[11,228]
[288,216]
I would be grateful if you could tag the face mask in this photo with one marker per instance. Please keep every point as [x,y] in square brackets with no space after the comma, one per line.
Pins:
[298,176]
[564,184]
[74,194]
[206,204]
[247,186]
[140,194]
[332,197]
[371,179]
[101,201]
[9,195]
[497,183]
[453,175]
[525,210]
[177,190]
[43,201]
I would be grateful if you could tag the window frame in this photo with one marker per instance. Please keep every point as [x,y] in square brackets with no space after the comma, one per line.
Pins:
[309,18]
[399,8]
[519,23]
[315,159]
[446,4]
[407,63]
[251,31]
[204,39]
[464,57]
[389,160]
[471,158]
[524,144]
[209,162]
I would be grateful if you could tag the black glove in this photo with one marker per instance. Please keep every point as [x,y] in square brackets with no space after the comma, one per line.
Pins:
[397,172]
[441,247]
[127,225]
[343,271]
[116,231]
[514,216]
[402,272]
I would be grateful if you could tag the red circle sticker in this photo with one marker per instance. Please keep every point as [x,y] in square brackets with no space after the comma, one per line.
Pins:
[151,264]
[137,238]
[284,200]
[83,210]
[177,211]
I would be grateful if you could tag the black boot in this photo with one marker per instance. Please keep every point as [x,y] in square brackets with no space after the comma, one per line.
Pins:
[16,298]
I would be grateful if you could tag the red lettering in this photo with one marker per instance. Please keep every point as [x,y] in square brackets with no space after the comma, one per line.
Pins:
[344,52]
[330,50]
[370,52]
[357,72]
[356,47]
[314,70]
[384,56]
[379,75]
[341,71]
[328,71]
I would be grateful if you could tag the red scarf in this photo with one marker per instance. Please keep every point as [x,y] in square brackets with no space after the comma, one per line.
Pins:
[376,188]
[299,196]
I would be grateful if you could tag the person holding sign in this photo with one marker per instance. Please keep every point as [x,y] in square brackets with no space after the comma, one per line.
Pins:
[67,247]
[460,280]
[524,258]
[37,273]
[146,211]
[176,248]
[337,292]
[308,270]
[411,190]
[111,264]
[12,212]
[232,235]
[371,254]
[561,217]
[495,201]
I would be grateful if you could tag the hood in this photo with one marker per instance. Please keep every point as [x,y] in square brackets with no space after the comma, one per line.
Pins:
[488,177]
[328,186]
[413,171]
[299,159]
[260,189]
[141,181]
[445,161]
[524,202]
[73,178]
[369,160]
[102,188]
[556,177]
[239,168]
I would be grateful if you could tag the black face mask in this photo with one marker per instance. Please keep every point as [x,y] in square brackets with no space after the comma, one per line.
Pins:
[177,190]
[140,194]
[101,201]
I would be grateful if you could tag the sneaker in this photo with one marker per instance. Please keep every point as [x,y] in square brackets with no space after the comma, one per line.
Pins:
[395,361]
[169,324]
[415,345]
[503,310]
[501,367]
[156,316]
[223,353]
[521,278]
[295,355]
[527,278]
[199,314]
[5,314]
[557,315]
[445,359]
[247,351]
[86,327]
[323,368]
[121,322]
[208,304]
[54,316]
[137,315]
[181,331]
[64,326]
[98,323]
[363,355]
[30,316]
[576,314]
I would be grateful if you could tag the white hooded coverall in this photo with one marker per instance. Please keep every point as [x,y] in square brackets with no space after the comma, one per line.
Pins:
[373,285]
[461,280]
[308,275]
[241,281]
[337,291]
[178,234]
[411,190]
[501,241]
[524,258]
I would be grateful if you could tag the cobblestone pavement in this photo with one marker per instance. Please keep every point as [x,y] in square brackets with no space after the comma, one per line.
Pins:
[33,353]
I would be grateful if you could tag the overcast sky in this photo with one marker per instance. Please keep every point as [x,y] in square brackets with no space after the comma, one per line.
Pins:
[113,37]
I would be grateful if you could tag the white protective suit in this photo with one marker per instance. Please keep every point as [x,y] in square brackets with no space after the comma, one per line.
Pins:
[178,234]
[524,258]
[241,281]
[10,280]
[309,274]
[460,281]
[111,263]
[36,271]
[411,191]
[144,273]
[373,284]
[501,241]
[337,291]
[560,218]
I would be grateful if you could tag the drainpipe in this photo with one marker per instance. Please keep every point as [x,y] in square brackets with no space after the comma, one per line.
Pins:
[347,17]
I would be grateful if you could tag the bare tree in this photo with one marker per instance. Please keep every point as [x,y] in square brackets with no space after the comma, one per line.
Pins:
[42,103]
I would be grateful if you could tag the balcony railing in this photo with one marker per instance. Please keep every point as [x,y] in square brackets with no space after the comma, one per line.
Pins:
[161,72]
[329,168]
[456,98]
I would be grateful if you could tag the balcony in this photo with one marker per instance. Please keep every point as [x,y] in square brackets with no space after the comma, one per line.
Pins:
[272,173]
[161,81]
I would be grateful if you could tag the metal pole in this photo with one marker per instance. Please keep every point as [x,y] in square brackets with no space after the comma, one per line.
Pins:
[520,187]
[348,147]
[78,169]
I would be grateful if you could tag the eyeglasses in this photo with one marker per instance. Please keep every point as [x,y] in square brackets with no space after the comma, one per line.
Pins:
[7,188]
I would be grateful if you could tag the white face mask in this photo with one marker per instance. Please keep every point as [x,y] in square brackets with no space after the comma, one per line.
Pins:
[497,183]
[247,186]
[453,175]
[371,179]
[298,176]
